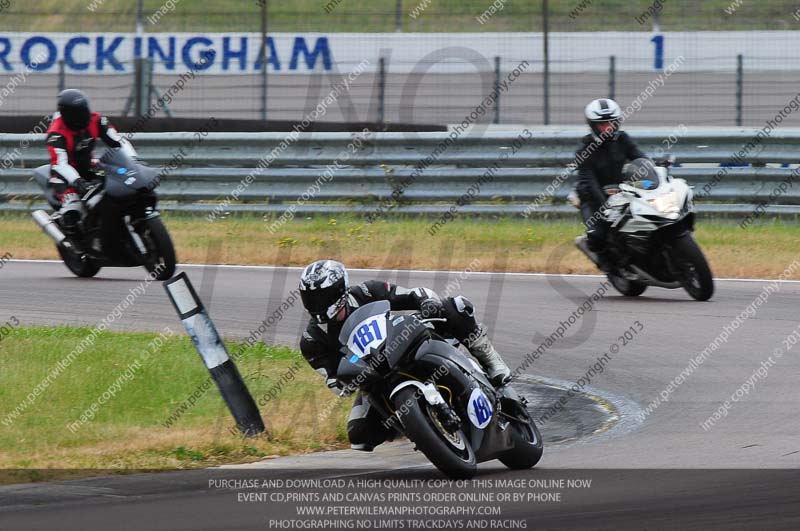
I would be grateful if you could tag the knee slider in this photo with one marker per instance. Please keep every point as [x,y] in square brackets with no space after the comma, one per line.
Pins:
[364,432]
[463,305]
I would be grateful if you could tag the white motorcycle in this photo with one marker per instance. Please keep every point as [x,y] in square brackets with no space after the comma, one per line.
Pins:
[651,217]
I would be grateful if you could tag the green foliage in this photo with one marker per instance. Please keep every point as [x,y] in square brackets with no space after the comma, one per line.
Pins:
[126,429]
[380,15]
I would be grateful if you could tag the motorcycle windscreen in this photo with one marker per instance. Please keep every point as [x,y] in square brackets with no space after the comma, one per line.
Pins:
[116,158]
[125,176]
[403,333]
[364,331]
[642,174]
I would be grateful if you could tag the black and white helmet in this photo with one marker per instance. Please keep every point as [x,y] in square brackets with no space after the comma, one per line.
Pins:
[602,110]
[324,289]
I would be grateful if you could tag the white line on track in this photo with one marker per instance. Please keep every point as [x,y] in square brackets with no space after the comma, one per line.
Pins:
[424,271]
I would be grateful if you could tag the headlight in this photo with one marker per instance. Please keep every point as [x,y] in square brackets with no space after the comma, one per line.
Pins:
[667,204]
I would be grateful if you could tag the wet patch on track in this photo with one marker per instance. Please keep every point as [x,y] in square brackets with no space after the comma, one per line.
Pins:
[565,416]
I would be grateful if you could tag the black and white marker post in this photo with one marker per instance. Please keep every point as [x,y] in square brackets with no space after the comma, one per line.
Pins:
[215,356]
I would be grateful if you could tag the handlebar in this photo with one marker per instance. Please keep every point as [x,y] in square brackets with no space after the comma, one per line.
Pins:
[667,162]
[418,316]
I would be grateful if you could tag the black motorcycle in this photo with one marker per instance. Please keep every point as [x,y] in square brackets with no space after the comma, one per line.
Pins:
[426,389]
[120,226]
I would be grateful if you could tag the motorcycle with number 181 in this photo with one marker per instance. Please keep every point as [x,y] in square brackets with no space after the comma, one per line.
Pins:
[430,391]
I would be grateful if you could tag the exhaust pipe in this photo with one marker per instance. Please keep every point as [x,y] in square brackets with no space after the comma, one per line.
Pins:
[50,227]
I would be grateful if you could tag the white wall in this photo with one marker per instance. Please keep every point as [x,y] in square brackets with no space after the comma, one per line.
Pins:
[405,52]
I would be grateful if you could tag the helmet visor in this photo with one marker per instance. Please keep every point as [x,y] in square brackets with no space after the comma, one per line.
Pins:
[76,117]
[605,127]
[323,304]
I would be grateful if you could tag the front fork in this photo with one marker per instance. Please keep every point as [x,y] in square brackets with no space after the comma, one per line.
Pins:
[138,243]
[134,226]
[450,420]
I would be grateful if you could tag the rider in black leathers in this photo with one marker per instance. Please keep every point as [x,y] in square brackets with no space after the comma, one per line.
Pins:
[600,158]
[328,297]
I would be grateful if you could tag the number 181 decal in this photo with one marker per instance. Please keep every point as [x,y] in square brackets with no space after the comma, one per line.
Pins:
[479,409]
[369,334]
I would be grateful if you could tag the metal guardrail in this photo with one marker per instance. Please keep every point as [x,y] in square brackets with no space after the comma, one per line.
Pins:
[216,164]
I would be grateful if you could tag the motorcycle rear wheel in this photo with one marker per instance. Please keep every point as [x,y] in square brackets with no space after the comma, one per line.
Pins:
[439,446]
[629,288]
[80,267]
[528,447]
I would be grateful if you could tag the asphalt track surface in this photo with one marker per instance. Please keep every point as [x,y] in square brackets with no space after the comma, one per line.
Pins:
[661,470]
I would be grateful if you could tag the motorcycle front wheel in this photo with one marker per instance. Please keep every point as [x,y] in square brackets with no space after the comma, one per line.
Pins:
[449,451]
[160,250]
[693,266]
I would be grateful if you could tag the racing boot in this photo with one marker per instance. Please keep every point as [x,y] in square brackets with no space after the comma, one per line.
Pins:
[71,215]
[483,351]
[605,261]
[97,245]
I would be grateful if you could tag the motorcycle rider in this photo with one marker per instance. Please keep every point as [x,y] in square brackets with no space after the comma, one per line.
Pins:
[601,156]
[329,298]
[70,140]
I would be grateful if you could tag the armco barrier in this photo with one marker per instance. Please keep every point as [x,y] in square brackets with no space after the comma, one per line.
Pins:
[216,165]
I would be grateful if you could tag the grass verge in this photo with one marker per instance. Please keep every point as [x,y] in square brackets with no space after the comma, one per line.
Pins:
[504,244]
[379,15]
[128,430]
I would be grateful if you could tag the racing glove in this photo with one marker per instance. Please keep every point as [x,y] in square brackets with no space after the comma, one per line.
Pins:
[337,388]
[431,309]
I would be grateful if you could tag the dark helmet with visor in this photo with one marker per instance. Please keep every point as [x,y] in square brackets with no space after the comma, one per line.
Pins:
[73,105]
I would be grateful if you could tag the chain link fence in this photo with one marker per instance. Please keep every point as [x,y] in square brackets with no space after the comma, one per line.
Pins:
[399,86]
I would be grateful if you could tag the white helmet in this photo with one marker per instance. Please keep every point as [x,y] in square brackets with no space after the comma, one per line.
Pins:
[602,110]
[323,289]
